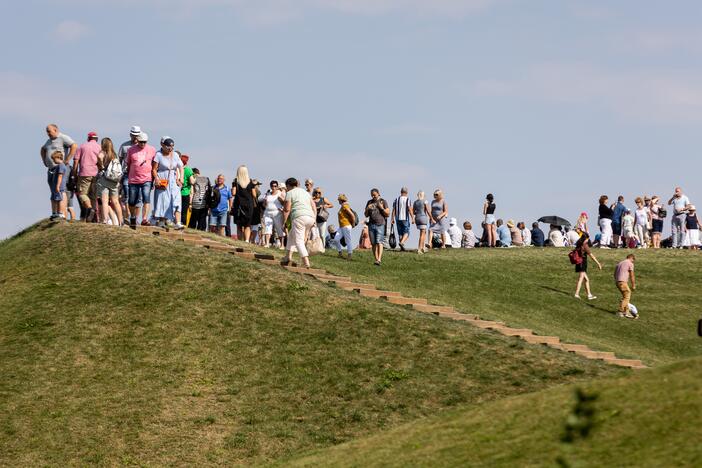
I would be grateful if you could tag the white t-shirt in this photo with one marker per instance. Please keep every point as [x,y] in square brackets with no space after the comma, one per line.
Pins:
[300,203]
[273,205]
[679,204]
[526,236]
[642,216]
[455,235]
[556,238]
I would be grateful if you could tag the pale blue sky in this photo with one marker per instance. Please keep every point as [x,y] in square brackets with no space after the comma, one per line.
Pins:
[547,104]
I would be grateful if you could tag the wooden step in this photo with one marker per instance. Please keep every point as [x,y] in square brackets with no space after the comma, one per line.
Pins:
[514,331]
[339,280]
[460,316]
[434,309]
[376,293]
[571,347]
[537,339]
[218,246]
[404,300]
[487,324]
[634,363]
[596,354]
[305,270]
[246,255]
[264,261]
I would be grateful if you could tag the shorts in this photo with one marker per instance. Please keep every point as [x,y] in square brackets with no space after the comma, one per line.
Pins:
[490,219]
[403,228]
[57,196]
[582,266]
[86,186]
[104,185]
[617,229]
[218,219]
[657,226]
[422,227]
[139,193]
[376,233]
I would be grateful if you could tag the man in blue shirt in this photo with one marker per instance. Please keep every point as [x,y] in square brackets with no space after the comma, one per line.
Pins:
[619,210]
[537,236]
[503,235]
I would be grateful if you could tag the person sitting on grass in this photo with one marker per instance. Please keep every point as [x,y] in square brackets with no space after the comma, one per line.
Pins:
[526,234]
[468,240]
[537,235]
[454,234]
[622,274]
[504,237]
[583,247]
[515,233]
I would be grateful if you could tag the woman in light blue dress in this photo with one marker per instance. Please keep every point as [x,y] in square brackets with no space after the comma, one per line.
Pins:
[167,171]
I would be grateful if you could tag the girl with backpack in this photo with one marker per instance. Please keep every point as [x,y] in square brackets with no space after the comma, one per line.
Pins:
[108,182]
[579,257]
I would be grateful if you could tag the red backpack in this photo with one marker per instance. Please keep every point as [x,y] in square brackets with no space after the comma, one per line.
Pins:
[575,256]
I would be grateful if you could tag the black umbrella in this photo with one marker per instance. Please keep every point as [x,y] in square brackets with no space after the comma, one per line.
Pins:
[555,220]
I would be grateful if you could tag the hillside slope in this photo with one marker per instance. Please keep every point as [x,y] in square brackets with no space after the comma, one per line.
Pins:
[117,347]
[651,418]
[533,288]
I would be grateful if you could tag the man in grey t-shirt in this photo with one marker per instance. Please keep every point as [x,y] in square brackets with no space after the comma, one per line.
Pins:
[57,142]
[680,203]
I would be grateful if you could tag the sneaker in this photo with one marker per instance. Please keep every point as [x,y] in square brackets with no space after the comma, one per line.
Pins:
[377,263]
[179,227]
[402,247]
[576,296]
[145,222]
[53,216]
[591,297]
[132,222]
[341,255]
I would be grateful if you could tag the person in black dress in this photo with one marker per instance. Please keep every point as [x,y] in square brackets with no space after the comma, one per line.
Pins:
[244,207]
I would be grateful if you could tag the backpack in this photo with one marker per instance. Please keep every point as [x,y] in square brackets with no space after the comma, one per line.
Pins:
[355,218]
[113,171]
[662,212]
[213,197]
[575,256]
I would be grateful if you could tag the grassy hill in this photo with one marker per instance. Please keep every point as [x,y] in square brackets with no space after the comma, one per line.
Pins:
[652,418]
[120,348]
[533,288]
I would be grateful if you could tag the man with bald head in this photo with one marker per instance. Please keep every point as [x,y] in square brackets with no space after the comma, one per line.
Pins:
[680,203]
[57,142]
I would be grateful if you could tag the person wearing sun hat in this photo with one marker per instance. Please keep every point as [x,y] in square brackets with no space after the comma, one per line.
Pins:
[134,132]
[515,233]
[139,160]
[85,167]
[692,226]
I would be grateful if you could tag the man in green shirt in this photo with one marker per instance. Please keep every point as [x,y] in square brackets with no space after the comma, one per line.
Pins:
[185,192]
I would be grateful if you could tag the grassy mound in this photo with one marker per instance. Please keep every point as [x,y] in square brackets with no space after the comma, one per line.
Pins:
[533,288]
[120,348]
[652,418]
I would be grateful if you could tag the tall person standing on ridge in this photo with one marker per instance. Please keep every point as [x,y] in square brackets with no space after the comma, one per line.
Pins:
[122,154]
[680,202]
[57,141]
[378,211]
[618,211]
[489,219]
[186,189]
[167,172]
[245,196]
[402,215]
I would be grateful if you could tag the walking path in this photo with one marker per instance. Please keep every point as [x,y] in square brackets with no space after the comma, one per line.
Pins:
[418,304]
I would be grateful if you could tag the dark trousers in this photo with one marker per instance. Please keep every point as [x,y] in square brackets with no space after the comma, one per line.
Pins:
[198,219]
[184,205]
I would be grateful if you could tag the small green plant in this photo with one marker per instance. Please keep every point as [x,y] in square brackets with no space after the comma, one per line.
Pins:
[294,286]
[580,422]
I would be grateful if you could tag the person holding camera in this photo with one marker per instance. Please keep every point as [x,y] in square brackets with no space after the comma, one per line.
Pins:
[680,203]
[377,211]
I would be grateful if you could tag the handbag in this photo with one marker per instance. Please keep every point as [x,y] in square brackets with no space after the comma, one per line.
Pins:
[314,244]
[392,240]
[162,184]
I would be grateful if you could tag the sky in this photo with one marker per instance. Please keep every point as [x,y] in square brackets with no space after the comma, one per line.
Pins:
[545,104]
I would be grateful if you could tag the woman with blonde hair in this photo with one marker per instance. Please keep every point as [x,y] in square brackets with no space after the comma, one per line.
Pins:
[439,217]
[656,221]
[108,182]
[421,213]
[581,223]
[244,205]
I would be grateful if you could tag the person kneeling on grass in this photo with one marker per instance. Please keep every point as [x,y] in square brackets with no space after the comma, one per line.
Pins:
[622,274]
[583,246]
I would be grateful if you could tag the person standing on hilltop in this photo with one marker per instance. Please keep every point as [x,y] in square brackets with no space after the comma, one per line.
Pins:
[680,202]
[85,168]
[421,215]
[186,189]
[200,189]
[622,274]
[107,186]
[605,220]
[489,220]
[139,160]
[618,210]
[378,211]
[402,215]
[57,141]
[167,173]
[302,212]
[122,155]
[245,195]
[347,219]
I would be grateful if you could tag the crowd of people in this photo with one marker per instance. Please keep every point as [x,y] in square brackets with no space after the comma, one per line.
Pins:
[138,184]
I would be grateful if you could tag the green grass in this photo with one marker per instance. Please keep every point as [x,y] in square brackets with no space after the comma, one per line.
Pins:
[120,348]
[534,288]
[652,419]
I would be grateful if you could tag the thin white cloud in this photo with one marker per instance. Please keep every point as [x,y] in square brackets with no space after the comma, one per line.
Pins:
[70,31]
[39,102]
[665,97]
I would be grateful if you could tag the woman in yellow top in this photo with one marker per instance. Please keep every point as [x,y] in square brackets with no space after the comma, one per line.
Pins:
[346,221]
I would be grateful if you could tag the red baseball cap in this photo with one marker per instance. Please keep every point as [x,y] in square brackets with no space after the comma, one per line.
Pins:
[92,135]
